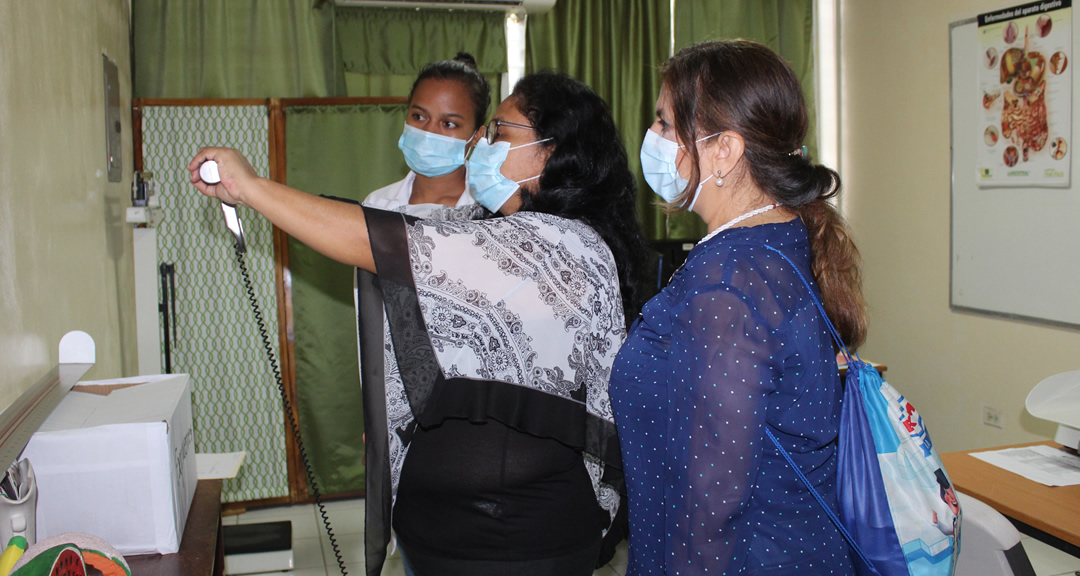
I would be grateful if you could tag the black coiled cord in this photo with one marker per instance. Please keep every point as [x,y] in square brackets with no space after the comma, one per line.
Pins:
[288,408]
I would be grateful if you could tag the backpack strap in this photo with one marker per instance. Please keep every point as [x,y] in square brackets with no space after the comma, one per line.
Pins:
[832,515]
[849,356]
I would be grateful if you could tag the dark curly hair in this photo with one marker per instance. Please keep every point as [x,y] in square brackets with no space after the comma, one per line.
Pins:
[587,176]
[461,69]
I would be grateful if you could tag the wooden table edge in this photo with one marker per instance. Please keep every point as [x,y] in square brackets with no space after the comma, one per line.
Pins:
[955,459]
[201,551]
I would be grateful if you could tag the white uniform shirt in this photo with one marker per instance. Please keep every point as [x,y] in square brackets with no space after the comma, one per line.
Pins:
[396,197]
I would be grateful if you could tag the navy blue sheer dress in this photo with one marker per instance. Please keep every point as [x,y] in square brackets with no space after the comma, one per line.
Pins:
[731,347]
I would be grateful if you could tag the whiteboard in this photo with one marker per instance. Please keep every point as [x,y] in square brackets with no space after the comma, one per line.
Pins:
[1015,251]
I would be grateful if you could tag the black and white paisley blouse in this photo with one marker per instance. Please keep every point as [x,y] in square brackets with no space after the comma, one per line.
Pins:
[516,318]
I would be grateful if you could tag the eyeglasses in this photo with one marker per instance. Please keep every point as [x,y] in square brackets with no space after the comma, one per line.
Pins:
[492,129]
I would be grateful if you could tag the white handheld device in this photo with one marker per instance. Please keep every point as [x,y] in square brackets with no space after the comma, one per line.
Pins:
[208,171]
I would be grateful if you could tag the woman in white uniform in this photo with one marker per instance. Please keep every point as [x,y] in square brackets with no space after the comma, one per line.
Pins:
[447,105]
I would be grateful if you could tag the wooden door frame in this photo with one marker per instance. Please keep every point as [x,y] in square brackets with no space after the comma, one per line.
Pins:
[278,165]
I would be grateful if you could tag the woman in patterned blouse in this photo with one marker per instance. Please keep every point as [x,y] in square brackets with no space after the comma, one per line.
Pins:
[492,444]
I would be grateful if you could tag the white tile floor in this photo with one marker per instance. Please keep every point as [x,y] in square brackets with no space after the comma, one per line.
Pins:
[312,554]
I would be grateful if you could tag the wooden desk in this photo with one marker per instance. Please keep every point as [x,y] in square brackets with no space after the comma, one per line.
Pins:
[1053,510]
[201,549]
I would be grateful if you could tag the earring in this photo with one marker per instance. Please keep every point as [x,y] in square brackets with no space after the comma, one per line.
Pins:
[719,180]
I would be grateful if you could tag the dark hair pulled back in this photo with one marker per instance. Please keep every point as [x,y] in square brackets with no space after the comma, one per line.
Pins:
[744,87]
[587,176]
[461,69]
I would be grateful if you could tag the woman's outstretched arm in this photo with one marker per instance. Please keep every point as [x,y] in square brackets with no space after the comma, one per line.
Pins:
[337,230]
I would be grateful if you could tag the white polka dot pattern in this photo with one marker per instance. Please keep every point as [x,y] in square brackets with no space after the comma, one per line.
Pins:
[733,345]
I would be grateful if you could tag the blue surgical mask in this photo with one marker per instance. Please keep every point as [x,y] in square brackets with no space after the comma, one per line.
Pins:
[658,164]
[661,173]
[486,181]
[431,154]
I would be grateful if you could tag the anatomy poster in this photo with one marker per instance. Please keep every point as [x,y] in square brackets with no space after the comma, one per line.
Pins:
[1025,80]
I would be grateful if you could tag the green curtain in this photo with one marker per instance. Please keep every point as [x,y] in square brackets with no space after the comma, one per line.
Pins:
[381,57]
[386,41]
[786,26]
[614,46]
[378,85]
[343,151]
[235,49]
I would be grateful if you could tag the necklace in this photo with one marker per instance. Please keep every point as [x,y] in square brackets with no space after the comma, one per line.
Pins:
[736,220]
[733,222]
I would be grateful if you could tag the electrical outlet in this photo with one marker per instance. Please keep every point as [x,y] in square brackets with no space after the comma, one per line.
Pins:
[991,416]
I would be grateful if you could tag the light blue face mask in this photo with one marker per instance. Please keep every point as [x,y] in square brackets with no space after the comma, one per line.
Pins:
[661,174]
[486,181]
[658,164]
[431,154]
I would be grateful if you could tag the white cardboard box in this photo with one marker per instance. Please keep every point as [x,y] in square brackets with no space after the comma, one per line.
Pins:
[118,463]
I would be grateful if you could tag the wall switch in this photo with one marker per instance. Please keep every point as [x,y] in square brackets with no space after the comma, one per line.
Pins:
[991,416]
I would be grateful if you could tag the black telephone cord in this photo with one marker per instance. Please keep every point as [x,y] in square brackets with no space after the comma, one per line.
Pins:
[293,425]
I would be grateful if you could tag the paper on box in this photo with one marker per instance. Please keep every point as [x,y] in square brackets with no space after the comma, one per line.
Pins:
[120,466]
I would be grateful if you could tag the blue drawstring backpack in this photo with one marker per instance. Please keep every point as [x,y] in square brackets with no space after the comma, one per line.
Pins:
[897,507]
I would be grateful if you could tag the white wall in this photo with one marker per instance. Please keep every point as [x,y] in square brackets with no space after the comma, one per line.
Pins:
[896,169]
[65,253]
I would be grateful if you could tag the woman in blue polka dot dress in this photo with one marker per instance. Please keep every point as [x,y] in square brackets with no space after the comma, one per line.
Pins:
[734,346]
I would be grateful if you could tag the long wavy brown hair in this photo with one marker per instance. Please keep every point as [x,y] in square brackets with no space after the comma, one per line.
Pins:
[745,87]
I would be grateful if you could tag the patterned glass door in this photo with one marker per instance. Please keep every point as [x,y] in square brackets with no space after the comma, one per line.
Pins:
[235,398]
